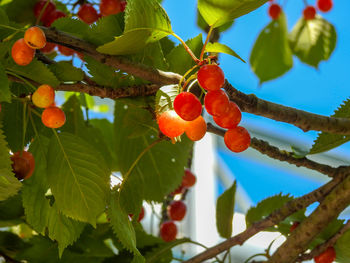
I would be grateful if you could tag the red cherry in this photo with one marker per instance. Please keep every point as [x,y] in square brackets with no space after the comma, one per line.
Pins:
[309,12]
[187,106]
[53,16]
[66,51]
[110,7]
[327,256]
[189,179]
[211,77]
[87,13]
[177,210]
[122,5]
[237,139]
[170,124]
[168,231]
[141,215]
[324,5]
[179,190]
[49,48]
[23,164]
[231,118]
[40,5]
[294,226]
[216,102]
[274,11]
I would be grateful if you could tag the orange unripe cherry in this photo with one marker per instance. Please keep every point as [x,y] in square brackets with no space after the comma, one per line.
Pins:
[170,124]
[237,139]
[53,117]
[196,129]
[44,96]
[35,38]
[21,53]
[66,51]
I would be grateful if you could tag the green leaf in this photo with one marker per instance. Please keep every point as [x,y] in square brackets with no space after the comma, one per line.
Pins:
[4,20]
[74,167]
[313,40]
[36,71]
[140,122]
[225,207]
[221,48]
[179,60]
[219,12]
[9,185]
[65,71]
[17,11]
[122,225]
[105,29]
[152,55]
[44,217]
[342,248]
[327,141]
[157,173]
[140,29]
[271,56]
[5,93]
[72,26]
[11,208]
[205,27]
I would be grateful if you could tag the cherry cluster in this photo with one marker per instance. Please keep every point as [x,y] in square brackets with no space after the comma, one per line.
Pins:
[309,12]
[186,116]
[327,256]
[176,210]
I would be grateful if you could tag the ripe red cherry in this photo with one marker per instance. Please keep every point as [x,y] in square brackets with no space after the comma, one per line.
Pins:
[237,139]
[211,77]
[196,129]
[309,12]
[216,102]
[122,5]
[66,51]
[324,5]
[49,48]
[275,11]
[327,256]
[88,13]
[294,226]
[168,231]
[179,190]
[40,5]
[231,118]
[170,124]
[177,210]
[23,164]
[21,53]
[187,106]
[110,7]
[53,16]
[189,179]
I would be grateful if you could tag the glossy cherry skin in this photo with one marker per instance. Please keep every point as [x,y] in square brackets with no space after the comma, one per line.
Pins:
[35,37]
[170,124]
[110,7]
[66,51]
[53,117]
[53,16]
[187,106]
[87,13]
[216,102]
[237,139]
[275,11]
[23,164]
[49,48]
[324,5]
[44,96]
[327,256]
[309,12]
[40,5]
[177,210]
[21,53]
[211,77]
[189,179]
[168,231]
[196,129]
[231,118]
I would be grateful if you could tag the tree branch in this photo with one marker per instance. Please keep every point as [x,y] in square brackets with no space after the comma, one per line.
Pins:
[284,156]
[329,209]
[304,120]
[280,214]
[322,247]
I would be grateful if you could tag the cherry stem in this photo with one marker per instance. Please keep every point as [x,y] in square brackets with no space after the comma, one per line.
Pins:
[21,78]
[42,12]
[187,81]
[186,74]
[206,42]
[189,51]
